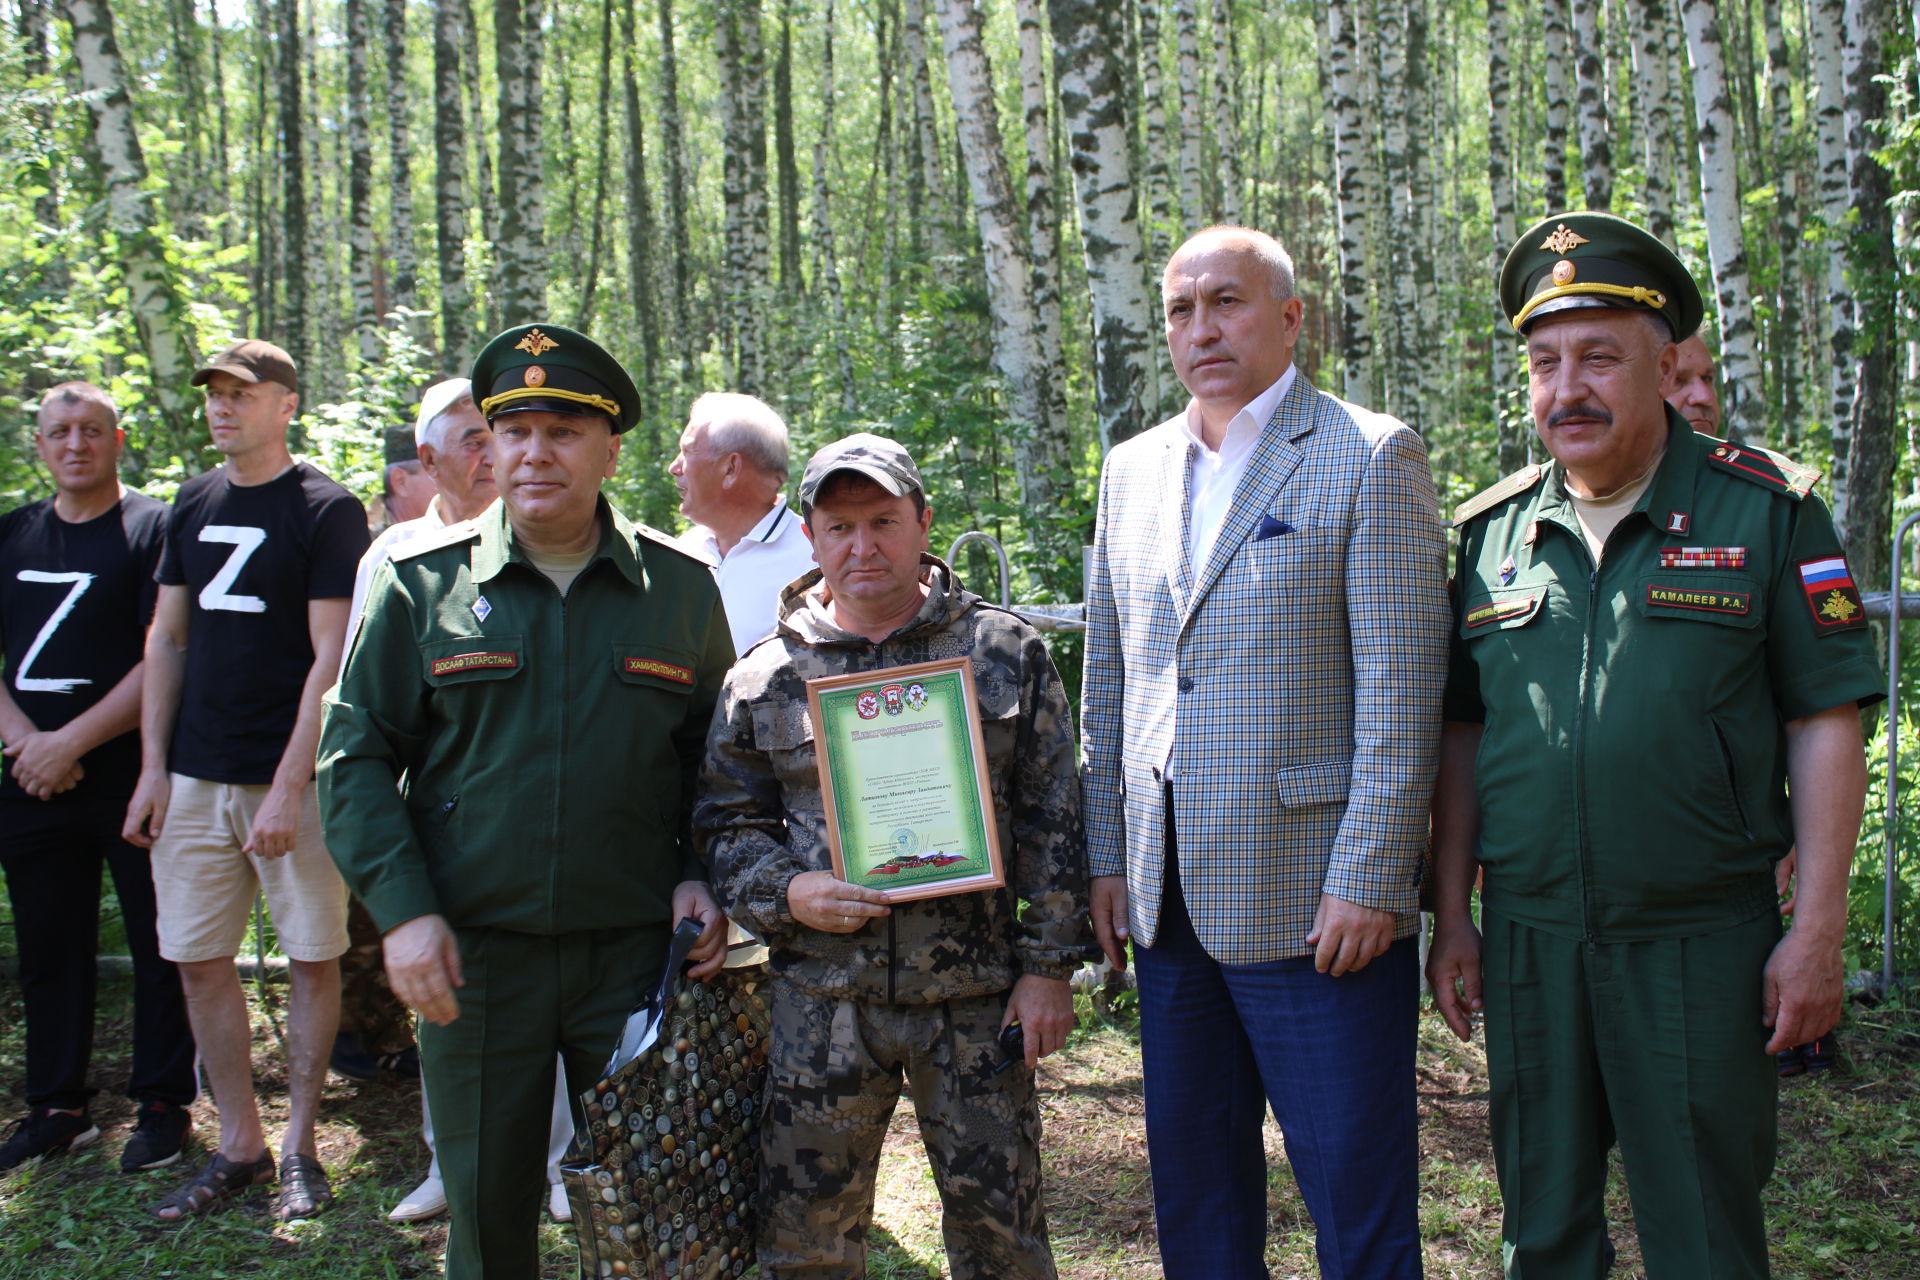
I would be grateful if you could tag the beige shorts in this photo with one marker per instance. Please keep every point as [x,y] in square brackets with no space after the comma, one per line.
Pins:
[204,885]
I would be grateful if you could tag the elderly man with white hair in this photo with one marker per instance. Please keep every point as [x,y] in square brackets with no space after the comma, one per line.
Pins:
[731,471]
[456,455]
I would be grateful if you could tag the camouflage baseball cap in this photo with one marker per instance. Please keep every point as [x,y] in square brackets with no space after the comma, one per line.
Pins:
[1596,260]
[877,458]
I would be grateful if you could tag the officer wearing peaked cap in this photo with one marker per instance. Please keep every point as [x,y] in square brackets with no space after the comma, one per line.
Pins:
[539,681]
[1654,634]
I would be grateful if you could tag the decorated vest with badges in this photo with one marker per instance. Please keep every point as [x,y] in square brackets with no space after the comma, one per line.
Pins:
[665,1158]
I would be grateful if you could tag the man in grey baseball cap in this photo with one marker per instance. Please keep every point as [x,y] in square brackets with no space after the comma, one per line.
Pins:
[877,458]
[869,990]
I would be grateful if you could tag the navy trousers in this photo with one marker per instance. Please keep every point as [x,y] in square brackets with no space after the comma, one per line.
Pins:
[53,854]
[1333,1056]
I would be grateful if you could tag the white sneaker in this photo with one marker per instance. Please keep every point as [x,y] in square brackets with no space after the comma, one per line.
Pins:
[557,1204]
[428,1200]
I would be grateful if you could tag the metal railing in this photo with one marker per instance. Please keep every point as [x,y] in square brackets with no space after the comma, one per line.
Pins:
[1896,610]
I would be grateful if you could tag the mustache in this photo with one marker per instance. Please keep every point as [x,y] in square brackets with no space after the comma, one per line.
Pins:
[1579,411]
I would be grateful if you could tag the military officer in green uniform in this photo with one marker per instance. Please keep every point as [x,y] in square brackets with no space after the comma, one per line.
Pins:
[541,677]
[1656,638]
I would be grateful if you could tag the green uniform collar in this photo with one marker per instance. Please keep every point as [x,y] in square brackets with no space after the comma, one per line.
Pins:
[498,547]
[1667,502]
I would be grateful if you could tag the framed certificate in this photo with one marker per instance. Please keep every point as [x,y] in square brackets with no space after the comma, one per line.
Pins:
[903,770]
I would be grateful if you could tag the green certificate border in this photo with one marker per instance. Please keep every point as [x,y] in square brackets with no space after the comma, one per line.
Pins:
[903,773]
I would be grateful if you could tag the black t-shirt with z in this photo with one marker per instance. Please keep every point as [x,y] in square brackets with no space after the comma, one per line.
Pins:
[251,557]
[75,600]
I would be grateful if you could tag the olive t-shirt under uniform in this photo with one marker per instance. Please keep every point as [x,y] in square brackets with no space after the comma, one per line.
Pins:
[75,600]
[251,557]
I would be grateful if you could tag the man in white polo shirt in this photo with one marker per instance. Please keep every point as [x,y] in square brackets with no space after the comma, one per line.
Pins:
[731,471]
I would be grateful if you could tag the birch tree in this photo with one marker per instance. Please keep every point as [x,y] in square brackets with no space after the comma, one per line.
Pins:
[1092,88]
[1041,455]
[1558,55]
[1226,136]
[1876,392]
[640,232]
[1649,57]
[1596,152]
[929,190]
[366,316]
[294,246]
[1397,324]
[1785,168]
[680,282]
[1826,38]
[403,283]
[744,167]
[154,297]
[1154,108]
[1041,238]
[1193,200]
[1510,439]
[522,253]
[450,190]
[826,269]
[1354,180]
[1726,241]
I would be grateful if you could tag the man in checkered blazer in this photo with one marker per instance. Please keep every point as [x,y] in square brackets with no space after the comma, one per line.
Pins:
[1266,647]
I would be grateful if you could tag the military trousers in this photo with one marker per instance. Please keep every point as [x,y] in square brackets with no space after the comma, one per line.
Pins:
[1656,1045]
[527,997]
[834,1073]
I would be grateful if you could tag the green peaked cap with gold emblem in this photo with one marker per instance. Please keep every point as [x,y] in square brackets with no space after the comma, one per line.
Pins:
[1574,260]
[550,367]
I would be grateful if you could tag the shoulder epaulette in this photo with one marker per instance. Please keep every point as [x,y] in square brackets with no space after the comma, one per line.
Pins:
[668,541]
[1765,468]
[1498,492]
[452,535]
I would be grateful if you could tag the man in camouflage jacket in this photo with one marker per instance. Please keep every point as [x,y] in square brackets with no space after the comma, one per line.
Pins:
[864,992]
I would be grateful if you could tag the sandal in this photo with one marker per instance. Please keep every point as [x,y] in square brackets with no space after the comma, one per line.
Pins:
[304,1190]
[217,1178]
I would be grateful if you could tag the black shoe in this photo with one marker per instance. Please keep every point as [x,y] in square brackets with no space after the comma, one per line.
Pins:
[1818,1054]
[1790,1062]
[157,1137]
[46,1132]
[351,1059]
[404,1064]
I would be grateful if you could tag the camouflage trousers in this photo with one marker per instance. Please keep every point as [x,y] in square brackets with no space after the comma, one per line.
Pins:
[834,1074]
[368,1006]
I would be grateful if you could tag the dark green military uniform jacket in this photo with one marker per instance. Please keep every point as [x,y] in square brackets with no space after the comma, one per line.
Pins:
[548,746]
[1632,771]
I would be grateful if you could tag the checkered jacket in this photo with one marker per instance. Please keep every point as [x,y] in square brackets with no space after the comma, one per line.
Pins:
[1289,687]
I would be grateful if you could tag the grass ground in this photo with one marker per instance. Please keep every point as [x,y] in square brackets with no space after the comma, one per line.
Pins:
[1844,1203]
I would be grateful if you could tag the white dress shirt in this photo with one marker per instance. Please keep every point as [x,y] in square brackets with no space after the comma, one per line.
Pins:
[1215,473]
[392,536]
[752,575]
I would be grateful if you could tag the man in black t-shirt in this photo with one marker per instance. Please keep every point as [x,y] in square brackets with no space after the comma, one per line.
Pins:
[76,591]
[255,582]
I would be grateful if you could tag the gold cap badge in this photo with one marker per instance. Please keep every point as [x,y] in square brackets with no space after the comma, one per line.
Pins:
[536,344]
[1561,241]
[535,376]
[1562,272]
